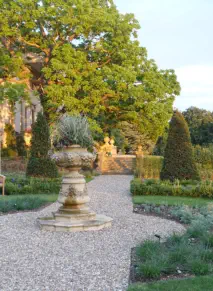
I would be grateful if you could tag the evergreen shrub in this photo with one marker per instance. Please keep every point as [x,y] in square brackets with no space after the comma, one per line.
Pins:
[40,164]
[179,162]
[20,145]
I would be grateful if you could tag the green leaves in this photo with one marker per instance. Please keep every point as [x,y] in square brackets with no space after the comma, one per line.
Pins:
[89,61]
[72,130]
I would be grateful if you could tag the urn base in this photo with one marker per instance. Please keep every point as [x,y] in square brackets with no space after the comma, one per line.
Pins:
[73,223]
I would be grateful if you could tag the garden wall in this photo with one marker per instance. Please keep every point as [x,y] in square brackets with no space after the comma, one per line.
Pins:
[118,164]
[13,165]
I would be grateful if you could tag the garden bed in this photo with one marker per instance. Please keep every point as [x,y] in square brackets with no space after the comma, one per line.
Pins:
[179,256]
[135,277]
[162,211]
[21,203]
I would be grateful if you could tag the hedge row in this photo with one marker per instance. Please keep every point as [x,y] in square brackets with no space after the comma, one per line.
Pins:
[203,156]
[165,188]
[148,167]
[16,185]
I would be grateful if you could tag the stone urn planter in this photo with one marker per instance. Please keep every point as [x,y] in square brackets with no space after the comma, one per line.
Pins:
[74,213]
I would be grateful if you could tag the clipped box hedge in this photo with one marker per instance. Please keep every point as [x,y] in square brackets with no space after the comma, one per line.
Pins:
[19,184]
[165,188]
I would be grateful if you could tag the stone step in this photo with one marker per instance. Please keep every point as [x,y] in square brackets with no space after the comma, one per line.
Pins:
[74,217]
[118,165]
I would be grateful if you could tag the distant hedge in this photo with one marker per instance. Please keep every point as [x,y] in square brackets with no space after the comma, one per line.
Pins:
[148,167]
[187,188]
[203,156]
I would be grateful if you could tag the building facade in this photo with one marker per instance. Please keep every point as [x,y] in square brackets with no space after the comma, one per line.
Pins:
[23,117]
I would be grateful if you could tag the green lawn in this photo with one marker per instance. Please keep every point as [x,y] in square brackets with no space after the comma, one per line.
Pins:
[171,200]
[204,283]
[25,202]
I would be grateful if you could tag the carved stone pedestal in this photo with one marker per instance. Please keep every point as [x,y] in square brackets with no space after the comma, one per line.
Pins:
[74,214]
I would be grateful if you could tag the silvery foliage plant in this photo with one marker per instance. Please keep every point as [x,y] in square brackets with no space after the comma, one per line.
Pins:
[72,130]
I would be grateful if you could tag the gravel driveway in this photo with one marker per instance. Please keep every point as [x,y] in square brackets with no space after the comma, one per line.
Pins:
[85,261]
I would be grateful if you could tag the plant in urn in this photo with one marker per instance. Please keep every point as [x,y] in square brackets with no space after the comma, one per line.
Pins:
[72,136]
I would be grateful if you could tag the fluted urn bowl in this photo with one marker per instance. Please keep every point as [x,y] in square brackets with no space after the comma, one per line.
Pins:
[73,157]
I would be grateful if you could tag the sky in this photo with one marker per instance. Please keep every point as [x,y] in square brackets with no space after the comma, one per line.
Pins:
[178,34]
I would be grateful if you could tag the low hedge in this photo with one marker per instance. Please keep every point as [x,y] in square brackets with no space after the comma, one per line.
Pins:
[19,184]
[184,188]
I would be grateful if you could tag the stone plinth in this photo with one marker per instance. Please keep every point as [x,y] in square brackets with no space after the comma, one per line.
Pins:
[74,215]
[96,223]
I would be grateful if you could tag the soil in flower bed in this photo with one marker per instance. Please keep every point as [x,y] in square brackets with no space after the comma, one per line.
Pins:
[162,211]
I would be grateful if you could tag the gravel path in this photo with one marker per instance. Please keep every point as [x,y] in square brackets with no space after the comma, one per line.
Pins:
[88,261]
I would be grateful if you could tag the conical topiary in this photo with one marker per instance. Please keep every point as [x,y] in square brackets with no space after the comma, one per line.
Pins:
[39,163]
[178,157]
[20,144]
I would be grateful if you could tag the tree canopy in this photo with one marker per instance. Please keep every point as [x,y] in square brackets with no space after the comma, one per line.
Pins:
[83,57]
[200,122]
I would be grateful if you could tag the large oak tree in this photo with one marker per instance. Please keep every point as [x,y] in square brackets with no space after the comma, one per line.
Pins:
[83,56]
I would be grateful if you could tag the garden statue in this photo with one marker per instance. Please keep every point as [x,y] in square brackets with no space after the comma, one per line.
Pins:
[73,136]
[139,152]
[108,148]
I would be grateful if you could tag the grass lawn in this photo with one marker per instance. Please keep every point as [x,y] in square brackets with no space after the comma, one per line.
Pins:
[25,202]
[172,200]
[204,283]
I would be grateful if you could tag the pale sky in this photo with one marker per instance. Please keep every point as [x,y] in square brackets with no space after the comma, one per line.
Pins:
[178,34]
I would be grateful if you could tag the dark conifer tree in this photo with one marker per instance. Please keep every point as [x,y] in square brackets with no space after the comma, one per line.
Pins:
[40,163]
[178,158]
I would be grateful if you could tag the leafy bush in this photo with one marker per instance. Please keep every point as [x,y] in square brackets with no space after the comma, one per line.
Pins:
[10,136]
[72,130]
[16,185]
[177,188]
[10,150]
[178,158]
[40,164]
